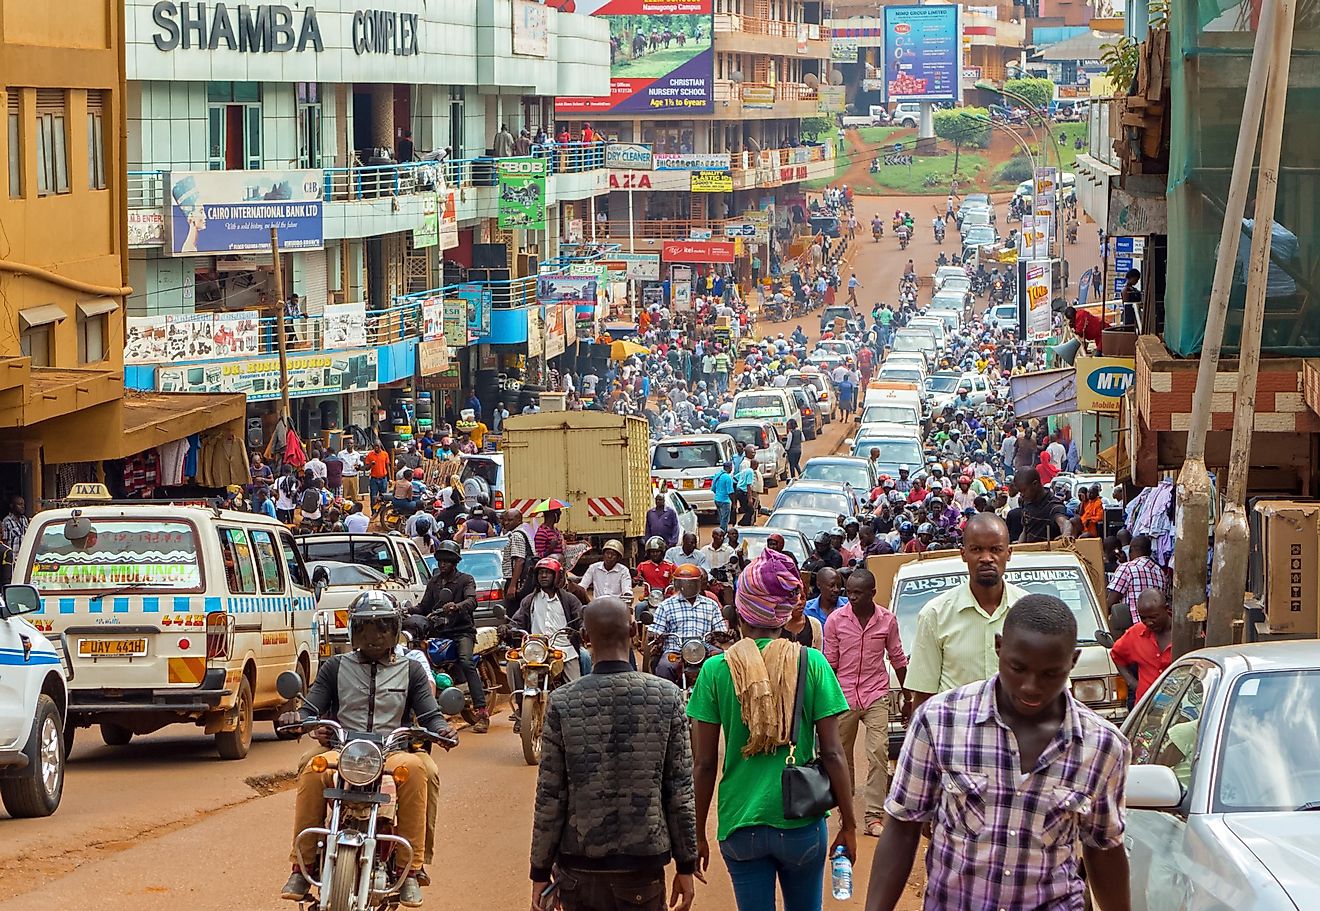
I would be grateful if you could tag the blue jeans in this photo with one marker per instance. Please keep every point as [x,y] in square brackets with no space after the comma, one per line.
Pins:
[722,514]
[756,855]
[378,488]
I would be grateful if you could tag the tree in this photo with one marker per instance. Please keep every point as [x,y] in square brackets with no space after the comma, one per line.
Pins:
[1040,92]
[964,126]
[812,127]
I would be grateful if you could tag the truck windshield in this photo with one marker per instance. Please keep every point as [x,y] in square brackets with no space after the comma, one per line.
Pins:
[138,553]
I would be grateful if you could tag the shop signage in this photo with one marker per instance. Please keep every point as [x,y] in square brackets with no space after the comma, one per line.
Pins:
[344,326]
[191,337]
[432,357]
[712,182]
[700,233]
[479,300]
[791,173]
[1040,316]
[761,97]
[641,266]
[922,53]
[433,318]
[843,50]
[455,317]
[634,156]
[274,28]
[146,228]
[697,251]
[428,235]
[233,211]
[530,29]
[831,99]
[448,218]
[754,228]
[522,192]
[259,378]
[630,181]
[1101,382]
[692,162]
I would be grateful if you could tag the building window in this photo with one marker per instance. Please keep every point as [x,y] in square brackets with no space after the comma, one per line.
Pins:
[52,142]
[456,100]
[91,339]
[15,146]
[309,125]
[96,139]
[233,134]
[37,342]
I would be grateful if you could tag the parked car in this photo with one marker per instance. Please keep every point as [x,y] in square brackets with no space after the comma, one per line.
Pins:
[906,114]
[771,458]
[1223,784]
[689,464]
[33,699]
[856,472]
[825,224]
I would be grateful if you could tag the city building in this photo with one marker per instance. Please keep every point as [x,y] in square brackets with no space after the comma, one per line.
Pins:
[369,138]
[64,417]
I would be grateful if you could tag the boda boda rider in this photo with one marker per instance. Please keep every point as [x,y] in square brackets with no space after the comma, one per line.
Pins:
[686,614]
[546,611]
[373,688]
[655,571]
[446,611]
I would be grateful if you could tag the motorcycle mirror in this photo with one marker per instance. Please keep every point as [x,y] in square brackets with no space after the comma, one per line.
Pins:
[1105,638]
[289,685]
[452,701]
[646,617]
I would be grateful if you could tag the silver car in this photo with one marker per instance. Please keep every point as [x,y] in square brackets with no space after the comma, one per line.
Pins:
[1225,782]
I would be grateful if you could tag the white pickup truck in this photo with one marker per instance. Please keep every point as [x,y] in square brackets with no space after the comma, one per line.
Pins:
[33,700]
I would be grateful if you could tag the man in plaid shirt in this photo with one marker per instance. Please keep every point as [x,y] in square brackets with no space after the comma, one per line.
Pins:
[1135,576]
[687,614]
[1011,773]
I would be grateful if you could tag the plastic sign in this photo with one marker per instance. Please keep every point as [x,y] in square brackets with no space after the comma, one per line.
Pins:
[630,156]
[1102,381]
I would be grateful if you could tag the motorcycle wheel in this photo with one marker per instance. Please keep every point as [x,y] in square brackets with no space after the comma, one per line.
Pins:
[343,882]
[532,717]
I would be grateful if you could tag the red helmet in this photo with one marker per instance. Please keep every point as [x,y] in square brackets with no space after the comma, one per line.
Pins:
[418,474]
[549,563]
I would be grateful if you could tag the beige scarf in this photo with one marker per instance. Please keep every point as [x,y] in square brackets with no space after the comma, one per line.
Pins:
[765,682]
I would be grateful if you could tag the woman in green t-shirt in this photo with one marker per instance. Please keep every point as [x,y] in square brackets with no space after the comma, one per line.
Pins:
[749,693]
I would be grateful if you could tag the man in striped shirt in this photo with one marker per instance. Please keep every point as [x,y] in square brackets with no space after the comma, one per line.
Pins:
[1012,773]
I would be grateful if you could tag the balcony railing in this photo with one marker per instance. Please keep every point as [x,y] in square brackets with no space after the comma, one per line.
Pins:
[726,91]
[775,28]
[146,189]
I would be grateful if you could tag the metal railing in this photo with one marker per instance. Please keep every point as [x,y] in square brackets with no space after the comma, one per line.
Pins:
[775,28]
[379,181]
[146,189]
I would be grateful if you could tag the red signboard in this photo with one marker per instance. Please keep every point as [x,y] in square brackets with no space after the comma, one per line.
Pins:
[697,251]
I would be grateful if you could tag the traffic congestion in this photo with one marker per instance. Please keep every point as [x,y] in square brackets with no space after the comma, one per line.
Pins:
[818,489]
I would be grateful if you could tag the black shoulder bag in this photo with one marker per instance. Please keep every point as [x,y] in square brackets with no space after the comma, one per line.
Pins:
[806,787]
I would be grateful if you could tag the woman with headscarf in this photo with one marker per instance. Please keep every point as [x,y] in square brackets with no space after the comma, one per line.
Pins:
[749,693]
[1046,468]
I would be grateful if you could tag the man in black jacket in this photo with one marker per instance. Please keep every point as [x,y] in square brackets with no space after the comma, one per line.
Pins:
[609,852]
[447,604]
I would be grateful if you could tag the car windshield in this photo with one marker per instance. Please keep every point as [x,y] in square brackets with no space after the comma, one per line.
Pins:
[906,374]
[753,541]
[980,234]
[795,497]
[889,414]
[943,301]
[137,553]
[892,452]
[344,574]
[758,406]
[942,383]
[371,552]
[485,566]
[814,380]
[743,434]
[1271,741]
[905,341]
[695,454]
[956,283]
[1068,583]
[845,472]
[836,347]
[809,523]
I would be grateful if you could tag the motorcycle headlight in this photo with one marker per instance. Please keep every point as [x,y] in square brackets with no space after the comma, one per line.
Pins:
[694,651]
[535,652]
[361,762]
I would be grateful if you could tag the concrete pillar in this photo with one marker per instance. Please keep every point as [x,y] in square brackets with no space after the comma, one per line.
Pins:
[382,117]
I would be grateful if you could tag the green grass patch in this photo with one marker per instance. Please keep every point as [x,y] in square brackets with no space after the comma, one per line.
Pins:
[912,180]
[873,136]
[660,63]
[842,161]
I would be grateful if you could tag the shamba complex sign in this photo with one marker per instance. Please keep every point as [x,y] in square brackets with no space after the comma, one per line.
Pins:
[275,28]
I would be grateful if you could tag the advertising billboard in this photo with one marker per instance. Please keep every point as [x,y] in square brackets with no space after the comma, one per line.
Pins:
[259,378]
[1102,381]
[923,53]
[233,211]
[1040,316]
[522,192]
[661,58]
[697,251]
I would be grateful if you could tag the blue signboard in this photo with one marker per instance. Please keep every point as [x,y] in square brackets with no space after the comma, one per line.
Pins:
[923,53]
[234,211]
[479,299]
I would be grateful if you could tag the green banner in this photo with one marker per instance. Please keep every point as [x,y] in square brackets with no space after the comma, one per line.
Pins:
[522,192]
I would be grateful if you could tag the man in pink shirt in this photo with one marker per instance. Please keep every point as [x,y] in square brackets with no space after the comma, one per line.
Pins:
[856,640]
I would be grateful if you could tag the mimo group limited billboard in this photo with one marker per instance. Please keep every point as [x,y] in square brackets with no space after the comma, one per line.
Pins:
[661,58]
[923,53]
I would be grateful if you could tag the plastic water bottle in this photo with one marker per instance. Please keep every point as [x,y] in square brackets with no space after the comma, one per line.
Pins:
[841,875]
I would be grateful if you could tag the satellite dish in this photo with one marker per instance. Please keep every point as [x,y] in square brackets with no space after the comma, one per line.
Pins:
[736,76]
[836,78]
[811,80]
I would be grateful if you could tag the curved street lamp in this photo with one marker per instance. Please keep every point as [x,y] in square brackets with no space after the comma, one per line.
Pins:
[1049,140]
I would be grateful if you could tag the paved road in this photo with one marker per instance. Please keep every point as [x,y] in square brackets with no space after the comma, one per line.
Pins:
[163,823]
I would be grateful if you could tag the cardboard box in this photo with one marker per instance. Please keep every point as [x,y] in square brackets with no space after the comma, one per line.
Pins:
[1290,541]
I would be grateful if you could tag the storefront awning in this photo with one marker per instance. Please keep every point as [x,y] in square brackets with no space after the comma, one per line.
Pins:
[137,422]
[98,305]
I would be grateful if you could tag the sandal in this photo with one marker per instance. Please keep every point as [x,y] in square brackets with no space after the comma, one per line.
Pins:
[874,827]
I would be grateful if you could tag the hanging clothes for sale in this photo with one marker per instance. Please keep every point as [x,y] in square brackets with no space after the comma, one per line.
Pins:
[142,474]
[223,460]
[172,457]
[293,450]
[190,460]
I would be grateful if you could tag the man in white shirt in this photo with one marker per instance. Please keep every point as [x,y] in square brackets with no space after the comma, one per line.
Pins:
[589,383]
[315,466]
[352,460]
[610,578]
[356,522]
[717,553]
[686,552]
[1057,453]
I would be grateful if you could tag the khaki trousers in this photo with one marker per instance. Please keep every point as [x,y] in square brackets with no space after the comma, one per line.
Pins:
[350,488]
[410,820]
[876,721]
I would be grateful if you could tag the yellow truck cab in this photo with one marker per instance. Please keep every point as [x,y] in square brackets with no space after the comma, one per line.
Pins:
[170,614]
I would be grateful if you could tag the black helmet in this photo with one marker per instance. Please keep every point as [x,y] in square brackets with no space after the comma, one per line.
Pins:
[447,550]
[374,613]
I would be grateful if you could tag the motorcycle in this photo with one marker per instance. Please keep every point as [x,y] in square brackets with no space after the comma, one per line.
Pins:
[902,240]
[693,655]
[443,657]
[362,861]
[541,659]
[939,234]
[876,233]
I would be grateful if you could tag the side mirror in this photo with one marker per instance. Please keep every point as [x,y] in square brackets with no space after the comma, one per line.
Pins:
[20,599]
[848,443]
[646,617]
[452,701]
[318,586]
[1153,787]
[289,685]
[1105,638]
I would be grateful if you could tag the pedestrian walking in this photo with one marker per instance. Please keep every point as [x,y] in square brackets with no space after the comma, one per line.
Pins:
[1012,774]
[745,483]
[607,823]
[793,448]
[749,693]
[721,489]
[1134,577]
[856,640]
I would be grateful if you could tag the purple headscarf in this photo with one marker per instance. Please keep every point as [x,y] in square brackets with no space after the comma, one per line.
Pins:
[768,590]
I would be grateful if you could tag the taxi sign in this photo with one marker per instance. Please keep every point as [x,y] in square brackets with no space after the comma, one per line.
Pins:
[89,491]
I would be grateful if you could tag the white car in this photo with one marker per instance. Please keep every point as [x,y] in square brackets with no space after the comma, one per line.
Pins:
[932,323]
[1224,783]
[943,388]
[1005,316]
[687,516]
[33,700]
[771,458]
[823,389]
[689,465]
[944,273]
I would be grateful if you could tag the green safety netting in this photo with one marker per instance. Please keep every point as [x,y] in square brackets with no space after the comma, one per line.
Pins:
[1211,46]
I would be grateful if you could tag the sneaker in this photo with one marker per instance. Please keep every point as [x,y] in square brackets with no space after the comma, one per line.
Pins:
[482,724]
[296,889]
[410,892]
[517,724]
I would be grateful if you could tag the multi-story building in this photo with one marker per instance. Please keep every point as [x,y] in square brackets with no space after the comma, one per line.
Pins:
[367,136]
[64,258]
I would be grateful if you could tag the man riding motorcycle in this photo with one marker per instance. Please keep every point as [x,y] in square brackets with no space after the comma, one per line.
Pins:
[545,611]
[687,614]
[655,571]
[445,611]
[373,688]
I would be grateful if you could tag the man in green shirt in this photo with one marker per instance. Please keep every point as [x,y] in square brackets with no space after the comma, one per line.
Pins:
[758,843]
[722,372]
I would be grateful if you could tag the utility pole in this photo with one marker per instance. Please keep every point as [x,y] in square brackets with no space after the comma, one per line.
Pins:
[280,332]
[1232,534]
[1192,531]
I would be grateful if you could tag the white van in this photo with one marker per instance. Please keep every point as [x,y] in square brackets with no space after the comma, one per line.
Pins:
[776,405]
[171,614]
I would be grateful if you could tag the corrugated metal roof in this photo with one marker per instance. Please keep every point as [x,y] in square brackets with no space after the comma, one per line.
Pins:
[1078,47]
